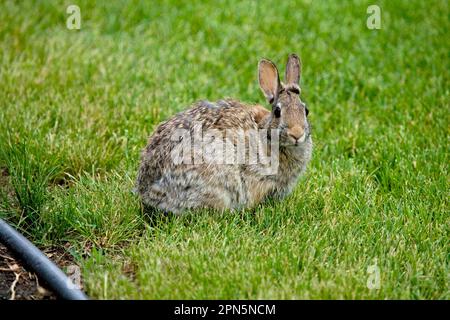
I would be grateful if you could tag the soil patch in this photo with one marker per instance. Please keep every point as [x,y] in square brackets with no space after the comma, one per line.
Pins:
[18,283]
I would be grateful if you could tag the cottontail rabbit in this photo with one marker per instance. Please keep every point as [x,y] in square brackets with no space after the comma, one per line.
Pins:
[173,185]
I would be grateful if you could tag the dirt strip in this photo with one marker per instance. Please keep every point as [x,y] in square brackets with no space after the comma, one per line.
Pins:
[18,283]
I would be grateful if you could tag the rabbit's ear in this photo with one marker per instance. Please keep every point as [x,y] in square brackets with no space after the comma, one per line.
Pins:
[269,80]
[293,70]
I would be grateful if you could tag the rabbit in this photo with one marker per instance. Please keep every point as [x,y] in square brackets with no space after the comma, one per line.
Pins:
[175,187]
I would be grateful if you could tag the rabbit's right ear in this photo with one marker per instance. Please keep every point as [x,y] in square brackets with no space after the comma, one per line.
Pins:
[293,70]
[269,80]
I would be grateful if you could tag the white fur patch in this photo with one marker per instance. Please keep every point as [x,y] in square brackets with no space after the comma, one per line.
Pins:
[302,138]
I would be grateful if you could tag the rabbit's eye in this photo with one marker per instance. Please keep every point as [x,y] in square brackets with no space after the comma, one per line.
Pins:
[277,111]
[306,110]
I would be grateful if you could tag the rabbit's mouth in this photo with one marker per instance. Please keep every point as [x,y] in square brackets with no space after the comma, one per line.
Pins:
[293,142]
[288,141]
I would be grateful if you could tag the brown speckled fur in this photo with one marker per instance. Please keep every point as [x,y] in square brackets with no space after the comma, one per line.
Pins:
[179,187]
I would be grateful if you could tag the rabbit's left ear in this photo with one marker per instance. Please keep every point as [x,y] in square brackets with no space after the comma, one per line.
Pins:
[293,70]
[269,81]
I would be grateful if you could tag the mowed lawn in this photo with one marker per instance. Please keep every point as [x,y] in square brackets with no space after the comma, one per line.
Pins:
[77,107]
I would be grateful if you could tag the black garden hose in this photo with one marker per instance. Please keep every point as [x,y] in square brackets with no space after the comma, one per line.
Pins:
[39,263]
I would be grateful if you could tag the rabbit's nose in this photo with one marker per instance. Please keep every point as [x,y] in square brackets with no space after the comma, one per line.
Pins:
[296,133]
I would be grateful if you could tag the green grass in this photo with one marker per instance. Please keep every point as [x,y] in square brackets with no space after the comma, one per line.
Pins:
[76,108]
